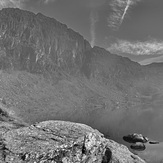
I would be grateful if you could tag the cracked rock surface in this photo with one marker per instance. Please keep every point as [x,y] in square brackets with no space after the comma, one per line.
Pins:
[61,142]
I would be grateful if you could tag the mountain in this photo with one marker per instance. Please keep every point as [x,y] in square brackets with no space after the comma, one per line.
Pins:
[50,72]
[37,44]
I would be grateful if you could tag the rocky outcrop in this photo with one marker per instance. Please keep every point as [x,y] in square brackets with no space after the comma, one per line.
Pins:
[134,138]
[138,146]
[59,141]
[36,43]
[138,141]
[138,138]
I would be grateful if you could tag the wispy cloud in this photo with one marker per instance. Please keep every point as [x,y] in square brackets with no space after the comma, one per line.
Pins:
[93,21]
[152,47]
[11,3]
[94,18]
[119,11]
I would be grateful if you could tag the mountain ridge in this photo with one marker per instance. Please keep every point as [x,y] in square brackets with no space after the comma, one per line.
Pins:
[36,43]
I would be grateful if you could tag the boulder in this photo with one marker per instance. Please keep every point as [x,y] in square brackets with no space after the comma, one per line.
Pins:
[64,142]
[138,146]
[134,138]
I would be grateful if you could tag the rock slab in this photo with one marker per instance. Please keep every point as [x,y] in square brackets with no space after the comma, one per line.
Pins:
[61,142]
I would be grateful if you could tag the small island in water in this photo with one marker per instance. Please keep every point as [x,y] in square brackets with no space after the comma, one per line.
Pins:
[150,150]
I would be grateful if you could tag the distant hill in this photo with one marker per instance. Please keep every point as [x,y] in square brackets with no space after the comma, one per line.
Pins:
[158,59]
[139,58]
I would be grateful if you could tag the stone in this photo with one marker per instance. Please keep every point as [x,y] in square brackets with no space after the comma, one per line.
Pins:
[138,146]
[153,142]
[60,141]
[134,138]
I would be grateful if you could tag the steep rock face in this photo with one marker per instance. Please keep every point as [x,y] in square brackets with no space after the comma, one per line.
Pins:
[107,68]
[37,43]
[59,141]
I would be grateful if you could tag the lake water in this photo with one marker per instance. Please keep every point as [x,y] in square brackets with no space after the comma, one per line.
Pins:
[152,154]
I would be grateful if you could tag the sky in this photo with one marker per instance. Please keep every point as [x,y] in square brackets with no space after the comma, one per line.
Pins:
[132,28]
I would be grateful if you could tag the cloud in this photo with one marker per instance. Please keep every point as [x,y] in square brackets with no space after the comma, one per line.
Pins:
[119,11]
[151,47]
[93,21]
[11,3]
[47,1]
[94,17]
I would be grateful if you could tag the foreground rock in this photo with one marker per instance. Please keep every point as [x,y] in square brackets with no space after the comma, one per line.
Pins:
[61,142]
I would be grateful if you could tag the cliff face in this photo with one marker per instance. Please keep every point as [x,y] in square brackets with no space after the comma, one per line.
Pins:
[37,43]
[101,60]
[59,141]
[113,71]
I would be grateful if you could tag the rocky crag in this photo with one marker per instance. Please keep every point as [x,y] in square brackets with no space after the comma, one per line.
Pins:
[36,43]
[60,142]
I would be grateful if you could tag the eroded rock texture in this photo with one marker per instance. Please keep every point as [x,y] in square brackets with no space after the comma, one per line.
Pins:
[61,142]
[37,43]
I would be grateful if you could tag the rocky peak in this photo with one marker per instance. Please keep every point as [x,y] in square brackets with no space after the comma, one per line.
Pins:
[36,43]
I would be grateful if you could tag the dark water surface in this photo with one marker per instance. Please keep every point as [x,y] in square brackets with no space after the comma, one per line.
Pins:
[152,154]
[148,122]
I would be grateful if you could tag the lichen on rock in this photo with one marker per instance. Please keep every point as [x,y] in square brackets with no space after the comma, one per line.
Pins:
[61,142]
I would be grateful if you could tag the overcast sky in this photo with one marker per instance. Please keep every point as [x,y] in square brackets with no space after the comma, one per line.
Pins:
[123,26]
